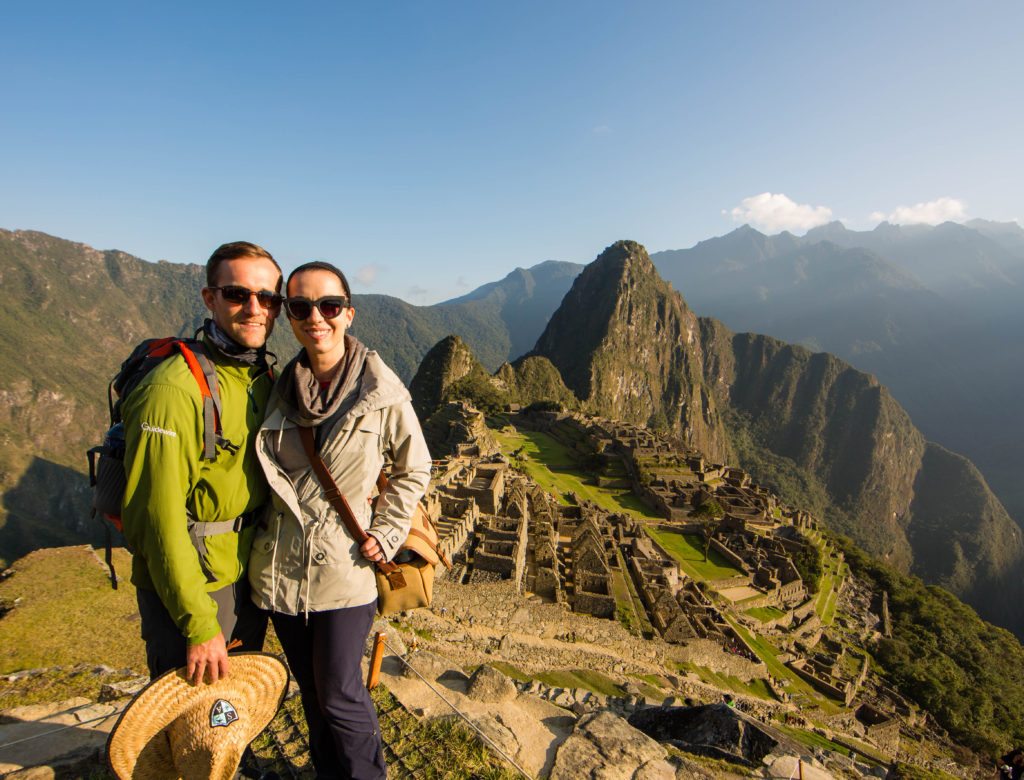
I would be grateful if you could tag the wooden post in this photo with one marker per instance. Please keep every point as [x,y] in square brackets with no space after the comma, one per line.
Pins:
[373,677]
[800,767]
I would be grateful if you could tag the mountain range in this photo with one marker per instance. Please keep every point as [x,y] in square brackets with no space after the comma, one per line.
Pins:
[931,311]
[74,312]
[821,433]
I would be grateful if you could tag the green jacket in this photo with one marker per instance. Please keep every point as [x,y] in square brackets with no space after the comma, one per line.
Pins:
[167,478]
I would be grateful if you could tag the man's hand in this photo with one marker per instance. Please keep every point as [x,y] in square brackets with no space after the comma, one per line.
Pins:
[210,658]
[371,550]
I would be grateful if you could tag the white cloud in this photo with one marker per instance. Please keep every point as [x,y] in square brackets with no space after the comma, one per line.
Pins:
[774,212]
[367,275]
[933,212]
[600,130]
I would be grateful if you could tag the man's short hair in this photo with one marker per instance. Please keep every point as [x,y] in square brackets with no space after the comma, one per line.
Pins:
[233,251]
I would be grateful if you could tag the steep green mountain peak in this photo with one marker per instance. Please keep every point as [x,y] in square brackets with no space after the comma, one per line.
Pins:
[626,344]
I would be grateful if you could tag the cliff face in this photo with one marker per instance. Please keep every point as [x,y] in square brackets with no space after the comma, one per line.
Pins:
[832,421]
[921,507]
[629,348]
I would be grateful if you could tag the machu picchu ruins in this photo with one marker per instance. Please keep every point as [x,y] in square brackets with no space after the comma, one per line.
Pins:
[713,566]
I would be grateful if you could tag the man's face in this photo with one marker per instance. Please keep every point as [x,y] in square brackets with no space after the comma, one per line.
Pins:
[249,324]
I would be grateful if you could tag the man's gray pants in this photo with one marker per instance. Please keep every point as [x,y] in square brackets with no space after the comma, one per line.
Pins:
[166,648]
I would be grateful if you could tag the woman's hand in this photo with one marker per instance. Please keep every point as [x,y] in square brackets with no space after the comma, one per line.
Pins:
[371,550]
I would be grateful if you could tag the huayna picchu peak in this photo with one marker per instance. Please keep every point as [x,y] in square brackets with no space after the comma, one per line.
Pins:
[628,346]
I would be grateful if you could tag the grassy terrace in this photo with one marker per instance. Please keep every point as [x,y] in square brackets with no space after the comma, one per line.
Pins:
[757,688]
[827,600]
[623,580]
[689,553]
[796,686]
[765,614]
[565,678]
[556,468]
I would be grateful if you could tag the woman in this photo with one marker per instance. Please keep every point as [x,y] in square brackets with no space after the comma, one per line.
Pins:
[317,582]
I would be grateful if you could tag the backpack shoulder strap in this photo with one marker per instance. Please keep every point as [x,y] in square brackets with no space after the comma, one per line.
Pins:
[205,374]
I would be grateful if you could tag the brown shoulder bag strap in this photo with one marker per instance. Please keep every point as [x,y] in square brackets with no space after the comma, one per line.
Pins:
[337,500]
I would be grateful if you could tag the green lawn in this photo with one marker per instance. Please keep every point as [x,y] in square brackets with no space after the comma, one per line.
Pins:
[689,553]
[565,678]
[727,682]
[634,599]
[767,653]
[555,468]
[765,614]
[68,613]
[813,740]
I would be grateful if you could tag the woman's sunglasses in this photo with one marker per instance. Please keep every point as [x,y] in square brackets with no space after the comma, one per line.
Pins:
[329,307]
[234,293]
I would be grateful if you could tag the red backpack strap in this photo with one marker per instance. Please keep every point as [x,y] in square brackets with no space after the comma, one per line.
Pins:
[205,374]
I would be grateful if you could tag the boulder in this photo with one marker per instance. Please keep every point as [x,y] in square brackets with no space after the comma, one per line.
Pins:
[490,685]
[607,747]
[714,730]
[494,730]
[395,643]
[428,664]
[562,698]
[120,690]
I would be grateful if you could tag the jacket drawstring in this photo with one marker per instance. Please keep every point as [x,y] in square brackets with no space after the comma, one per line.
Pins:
[309,566]
[273,561]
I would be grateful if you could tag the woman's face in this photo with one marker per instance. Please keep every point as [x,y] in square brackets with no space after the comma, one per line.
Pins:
[322,338]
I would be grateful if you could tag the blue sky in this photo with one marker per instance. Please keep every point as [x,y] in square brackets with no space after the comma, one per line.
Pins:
[431,147]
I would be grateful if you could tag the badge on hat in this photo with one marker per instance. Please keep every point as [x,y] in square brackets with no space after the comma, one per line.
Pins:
[222,713]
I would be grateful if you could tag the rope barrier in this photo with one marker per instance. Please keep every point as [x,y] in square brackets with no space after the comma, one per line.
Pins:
[462,715]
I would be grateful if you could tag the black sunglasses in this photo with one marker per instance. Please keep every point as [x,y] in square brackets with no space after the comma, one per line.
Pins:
[330,306]
[235,293]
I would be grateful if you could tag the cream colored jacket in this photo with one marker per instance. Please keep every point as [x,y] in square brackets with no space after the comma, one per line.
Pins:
[303,559]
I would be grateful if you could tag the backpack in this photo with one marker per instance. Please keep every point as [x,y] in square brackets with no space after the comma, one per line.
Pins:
[106,462]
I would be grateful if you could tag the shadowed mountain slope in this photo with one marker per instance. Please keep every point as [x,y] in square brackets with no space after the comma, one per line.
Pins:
[934,312]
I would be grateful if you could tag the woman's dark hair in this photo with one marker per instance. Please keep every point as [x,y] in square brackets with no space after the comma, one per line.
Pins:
[322,265]
[233,251]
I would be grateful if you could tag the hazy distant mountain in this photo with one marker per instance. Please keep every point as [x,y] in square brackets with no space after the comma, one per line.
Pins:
[949,259]
[524,300]
[499,321]
[1008,234]
[934,312]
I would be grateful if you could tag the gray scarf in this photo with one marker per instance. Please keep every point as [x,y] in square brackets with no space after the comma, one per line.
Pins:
[302,401]
[230,348]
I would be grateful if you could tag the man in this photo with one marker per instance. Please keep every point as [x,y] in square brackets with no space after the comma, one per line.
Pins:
[189,575]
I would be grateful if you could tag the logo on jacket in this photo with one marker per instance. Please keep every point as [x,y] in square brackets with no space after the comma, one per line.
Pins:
[223,713]
[154,429]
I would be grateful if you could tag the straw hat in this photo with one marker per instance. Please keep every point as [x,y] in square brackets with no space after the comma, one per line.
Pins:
[174,729]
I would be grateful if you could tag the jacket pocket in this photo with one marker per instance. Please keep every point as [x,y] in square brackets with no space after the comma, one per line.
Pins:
[338,573]
[331,544]
[262,559]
